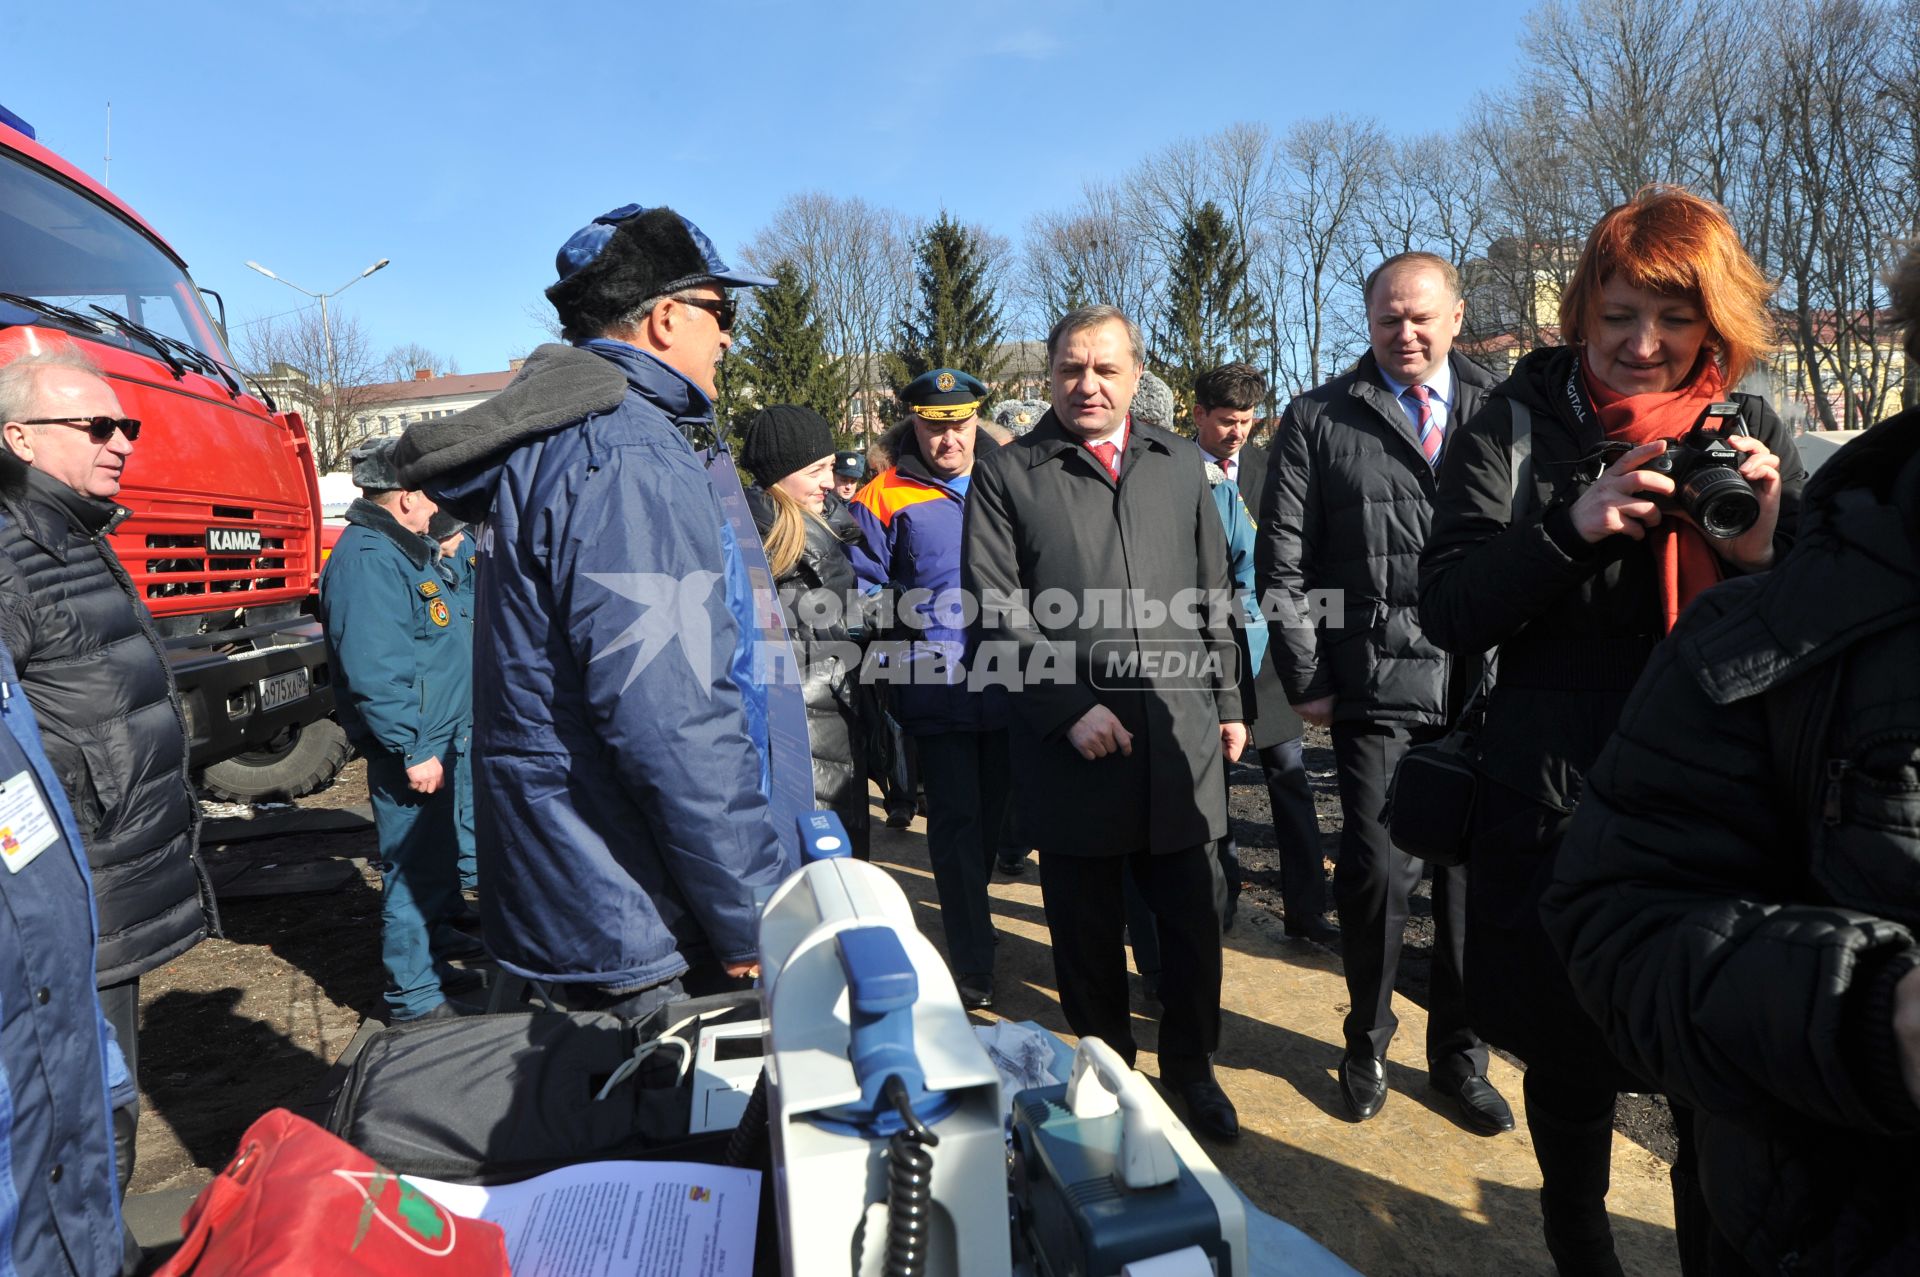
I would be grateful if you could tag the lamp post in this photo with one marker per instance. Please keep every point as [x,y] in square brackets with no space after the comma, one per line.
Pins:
[326,328]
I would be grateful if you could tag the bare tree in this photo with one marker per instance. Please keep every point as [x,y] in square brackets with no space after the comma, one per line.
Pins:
[1333,166]
[1631,73]
[858,259]
[408,359]
[323,371]
[1086,254]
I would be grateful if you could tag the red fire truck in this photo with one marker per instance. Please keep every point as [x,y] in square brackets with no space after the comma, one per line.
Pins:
[224,539]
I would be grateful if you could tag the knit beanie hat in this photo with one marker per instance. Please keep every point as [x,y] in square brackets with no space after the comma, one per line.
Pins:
[782,439]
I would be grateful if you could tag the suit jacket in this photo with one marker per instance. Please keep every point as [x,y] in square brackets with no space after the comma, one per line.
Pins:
[1348,500]
[1044,515]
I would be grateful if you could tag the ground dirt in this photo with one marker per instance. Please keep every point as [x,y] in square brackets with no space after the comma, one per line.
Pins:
[242,1024]
[1644,1119]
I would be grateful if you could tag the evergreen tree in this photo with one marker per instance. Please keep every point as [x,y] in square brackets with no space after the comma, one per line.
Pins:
[779,352]
[953,321]
[1211,314]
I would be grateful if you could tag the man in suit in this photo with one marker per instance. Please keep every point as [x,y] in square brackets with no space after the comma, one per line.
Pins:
[1347,506]
[1126,706]
[1225,403]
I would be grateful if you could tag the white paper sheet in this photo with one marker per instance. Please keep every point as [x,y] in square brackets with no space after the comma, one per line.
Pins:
[619,1219]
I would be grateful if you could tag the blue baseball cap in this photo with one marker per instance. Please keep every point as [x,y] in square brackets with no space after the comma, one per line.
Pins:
[585,246]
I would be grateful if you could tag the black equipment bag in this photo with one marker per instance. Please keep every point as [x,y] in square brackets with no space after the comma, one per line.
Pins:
[1431,799]
[489,1099]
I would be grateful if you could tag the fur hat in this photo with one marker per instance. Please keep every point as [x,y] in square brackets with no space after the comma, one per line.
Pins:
[373,467]
[1020,415]
[625,256]
[1153,402]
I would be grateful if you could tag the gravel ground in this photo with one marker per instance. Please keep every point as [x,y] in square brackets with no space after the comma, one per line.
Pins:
[1644,1119]
[237,1026]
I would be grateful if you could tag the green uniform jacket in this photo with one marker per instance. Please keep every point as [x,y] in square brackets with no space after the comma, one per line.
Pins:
[401,640]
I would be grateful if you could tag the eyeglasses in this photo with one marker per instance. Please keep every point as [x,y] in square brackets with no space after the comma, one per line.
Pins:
[723,308]
[99,429]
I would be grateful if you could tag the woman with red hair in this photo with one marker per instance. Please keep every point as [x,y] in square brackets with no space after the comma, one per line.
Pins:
[1650,479]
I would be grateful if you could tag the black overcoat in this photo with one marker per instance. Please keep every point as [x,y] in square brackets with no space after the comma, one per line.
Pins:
[1044,514]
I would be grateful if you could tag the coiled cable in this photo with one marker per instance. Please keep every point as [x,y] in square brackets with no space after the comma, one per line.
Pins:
[909,1186]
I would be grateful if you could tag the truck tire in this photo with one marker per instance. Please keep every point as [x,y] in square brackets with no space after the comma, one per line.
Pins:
[292,765]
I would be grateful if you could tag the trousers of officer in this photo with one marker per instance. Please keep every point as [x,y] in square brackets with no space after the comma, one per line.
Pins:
[419,875]
[968,777]
[463,825]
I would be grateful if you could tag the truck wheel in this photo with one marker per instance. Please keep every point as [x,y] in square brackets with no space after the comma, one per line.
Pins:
[291,765]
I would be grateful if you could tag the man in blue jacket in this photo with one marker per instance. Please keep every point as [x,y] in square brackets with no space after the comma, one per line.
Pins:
[401,644]
[61,1073]
[910,519]
[622,824]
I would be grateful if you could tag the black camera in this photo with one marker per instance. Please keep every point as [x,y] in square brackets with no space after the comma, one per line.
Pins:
[1705,470]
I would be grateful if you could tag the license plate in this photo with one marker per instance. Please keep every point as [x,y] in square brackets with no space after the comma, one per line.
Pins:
[283,689]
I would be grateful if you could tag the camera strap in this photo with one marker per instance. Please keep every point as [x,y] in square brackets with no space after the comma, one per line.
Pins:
[1522,467]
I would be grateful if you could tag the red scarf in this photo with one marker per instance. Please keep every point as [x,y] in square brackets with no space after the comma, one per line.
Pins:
[1686,561]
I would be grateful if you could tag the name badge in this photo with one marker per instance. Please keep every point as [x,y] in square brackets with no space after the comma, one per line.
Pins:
[27,827]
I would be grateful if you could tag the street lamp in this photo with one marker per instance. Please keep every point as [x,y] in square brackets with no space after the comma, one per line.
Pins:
[326,329]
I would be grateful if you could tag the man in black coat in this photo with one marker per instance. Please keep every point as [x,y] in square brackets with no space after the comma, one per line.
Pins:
[1347,506]
[1127,707]
[96,672]
[1225,401]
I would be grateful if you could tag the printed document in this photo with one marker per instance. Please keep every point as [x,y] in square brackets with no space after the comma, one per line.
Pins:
[618,1219]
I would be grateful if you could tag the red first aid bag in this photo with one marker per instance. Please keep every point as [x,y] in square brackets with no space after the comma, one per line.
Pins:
[296,1200]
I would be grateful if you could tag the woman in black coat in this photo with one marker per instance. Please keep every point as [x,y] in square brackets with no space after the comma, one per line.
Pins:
[789,452]
[1574,577]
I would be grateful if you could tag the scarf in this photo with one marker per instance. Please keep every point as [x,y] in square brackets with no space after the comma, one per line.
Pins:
[1686,561]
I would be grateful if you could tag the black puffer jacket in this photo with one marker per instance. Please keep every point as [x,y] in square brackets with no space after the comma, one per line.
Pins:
[1348,499]
[1740,889]
[1574,625]
[822,603]
[102,690]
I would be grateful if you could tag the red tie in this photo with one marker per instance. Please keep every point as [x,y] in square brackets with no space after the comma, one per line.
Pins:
[1430,432]
[1109,454]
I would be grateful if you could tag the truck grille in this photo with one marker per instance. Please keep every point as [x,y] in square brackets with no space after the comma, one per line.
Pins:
[169,558]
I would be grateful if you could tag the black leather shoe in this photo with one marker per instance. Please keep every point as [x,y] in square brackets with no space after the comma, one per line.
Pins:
[1316,929]
[976,992]
[1363,1084]
[1482,1109]
[899,815]
[1012,866]
[1209,1111]
[455,945]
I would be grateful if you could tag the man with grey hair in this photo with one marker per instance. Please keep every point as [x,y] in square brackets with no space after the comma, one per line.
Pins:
[95,672]
[1348,501]
[622,817]
[1117,759]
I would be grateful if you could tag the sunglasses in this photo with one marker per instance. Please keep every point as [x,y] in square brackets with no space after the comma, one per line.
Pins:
[723,309]
[99,429]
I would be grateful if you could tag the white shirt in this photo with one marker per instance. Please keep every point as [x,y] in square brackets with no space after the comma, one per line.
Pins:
[1440,401]
[1230,465]
[1117,437]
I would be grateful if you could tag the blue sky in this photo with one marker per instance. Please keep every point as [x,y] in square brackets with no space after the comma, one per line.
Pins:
[466,141]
